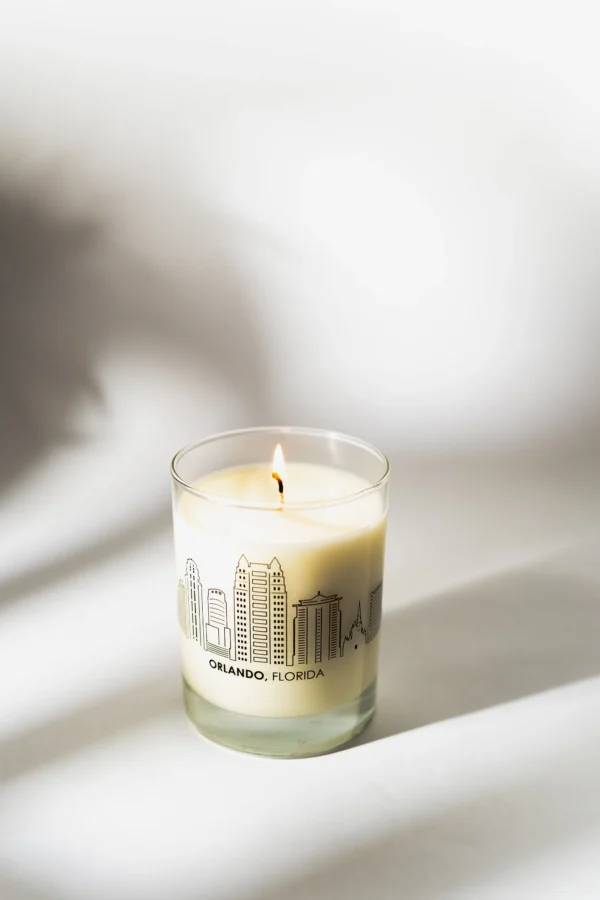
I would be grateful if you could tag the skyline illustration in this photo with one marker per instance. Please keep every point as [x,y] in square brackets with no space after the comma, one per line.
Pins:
[316,635]
[254,624]
[358,634]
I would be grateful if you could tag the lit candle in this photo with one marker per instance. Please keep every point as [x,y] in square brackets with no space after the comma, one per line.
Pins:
[280,570]
[278,466]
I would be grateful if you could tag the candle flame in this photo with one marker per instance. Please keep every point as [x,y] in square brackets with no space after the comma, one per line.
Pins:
[279,462]
[279,469]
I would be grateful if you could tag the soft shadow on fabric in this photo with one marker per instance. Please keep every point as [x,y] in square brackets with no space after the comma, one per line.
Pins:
[457,847]
[71,290]
[489,642]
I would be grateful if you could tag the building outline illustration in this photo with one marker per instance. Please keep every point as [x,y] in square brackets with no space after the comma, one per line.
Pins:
[260,601]
[193,589]
[218,637]
[357,635]
[375,604]
[316,630]
[182,607]
[254,624]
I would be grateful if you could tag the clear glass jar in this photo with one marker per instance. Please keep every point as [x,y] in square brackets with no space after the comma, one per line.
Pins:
[280,586]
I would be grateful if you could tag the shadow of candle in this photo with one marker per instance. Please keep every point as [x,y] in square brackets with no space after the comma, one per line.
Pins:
[488,642]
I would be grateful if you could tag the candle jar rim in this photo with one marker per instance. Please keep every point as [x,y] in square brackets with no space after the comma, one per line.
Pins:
[283,430]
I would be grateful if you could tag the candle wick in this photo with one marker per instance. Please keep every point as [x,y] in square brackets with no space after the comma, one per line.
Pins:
[280,483]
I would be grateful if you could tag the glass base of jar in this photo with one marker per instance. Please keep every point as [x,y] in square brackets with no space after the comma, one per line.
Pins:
[287,738]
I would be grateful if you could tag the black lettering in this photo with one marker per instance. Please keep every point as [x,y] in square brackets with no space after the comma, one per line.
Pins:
[259,675]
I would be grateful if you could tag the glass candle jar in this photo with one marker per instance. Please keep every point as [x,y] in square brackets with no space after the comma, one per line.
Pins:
[279,540]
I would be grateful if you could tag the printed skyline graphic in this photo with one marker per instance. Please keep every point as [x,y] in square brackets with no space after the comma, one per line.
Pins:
[254,626]
[260,612]
[316,635]
[358,634]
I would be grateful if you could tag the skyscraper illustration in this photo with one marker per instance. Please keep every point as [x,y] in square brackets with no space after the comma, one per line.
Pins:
[260,601]
[357,636]
[182,607]
[374,612]
[317,626]
[193,593]
[217,633]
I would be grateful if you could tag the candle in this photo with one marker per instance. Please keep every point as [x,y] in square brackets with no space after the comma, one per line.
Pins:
[280,576]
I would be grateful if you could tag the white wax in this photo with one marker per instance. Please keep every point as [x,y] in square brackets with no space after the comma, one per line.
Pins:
[288,597]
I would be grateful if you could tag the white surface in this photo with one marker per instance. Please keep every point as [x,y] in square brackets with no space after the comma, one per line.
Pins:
[479,777]
[367,216]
